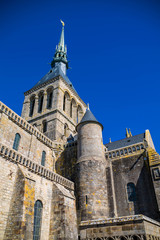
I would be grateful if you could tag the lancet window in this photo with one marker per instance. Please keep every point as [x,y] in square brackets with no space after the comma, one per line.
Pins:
[43,158]
[79,114]
[49,98]
[44,126]
[32,103]
[16,141]
[65,130]
[37,220]
[131,192]
[40,102]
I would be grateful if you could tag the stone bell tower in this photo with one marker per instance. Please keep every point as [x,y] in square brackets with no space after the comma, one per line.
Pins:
[91,170]
[53,105]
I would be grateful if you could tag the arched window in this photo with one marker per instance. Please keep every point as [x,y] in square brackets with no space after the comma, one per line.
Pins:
[71,109]
[131,192]
[79,114]
[49,98]
[32,103]
[65,130]
[40,102]
[43,158]
[135,238]
[37,220]
[64,103]
[44,123]
[16,141]
[134,149]
[138,148]
[125,151]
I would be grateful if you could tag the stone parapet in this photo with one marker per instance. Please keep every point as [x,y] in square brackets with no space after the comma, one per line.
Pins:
[125,151]
[32,166]
[123,219]
[134,227]
[25,125]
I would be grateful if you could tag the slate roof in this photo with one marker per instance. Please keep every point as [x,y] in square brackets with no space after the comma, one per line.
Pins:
[88,116]
[125,142]
[54,72]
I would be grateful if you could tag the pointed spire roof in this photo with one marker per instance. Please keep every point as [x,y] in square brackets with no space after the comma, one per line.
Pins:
[61,44]
[59,63]
[89,117]
[61,50]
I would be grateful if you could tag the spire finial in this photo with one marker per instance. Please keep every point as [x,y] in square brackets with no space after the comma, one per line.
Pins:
[127,133]
[63,24]
[60,55]
[88,106]
[130,134]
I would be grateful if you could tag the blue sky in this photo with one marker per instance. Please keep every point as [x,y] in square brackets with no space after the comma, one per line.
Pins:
[113,49]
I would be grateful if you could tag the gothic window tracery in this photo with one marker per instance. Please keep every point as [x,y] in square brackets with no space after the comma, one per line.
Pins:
[37,220]
[16,141]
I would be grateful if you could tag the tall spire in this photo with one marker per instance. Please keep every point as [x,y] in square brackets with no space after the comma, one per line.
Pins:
[61,51]
[61,42]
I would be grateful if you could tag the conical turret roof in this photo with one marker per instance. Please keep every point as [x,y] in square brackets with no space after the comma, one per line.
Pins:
[89,117]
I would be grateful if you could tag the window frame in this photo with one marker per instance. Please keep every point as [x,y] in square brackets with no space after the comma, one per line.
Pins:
[16,142]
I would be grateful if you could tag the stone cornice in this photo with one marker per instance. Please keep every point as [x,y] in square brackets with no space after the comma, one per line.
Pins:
[49,113]
[118,220]
[28,127]
[41,86]
[51,81]
[16,157]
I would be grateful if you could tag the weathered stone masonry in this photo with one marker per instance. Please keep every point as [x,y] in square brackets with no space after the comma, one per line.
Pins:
[24,180]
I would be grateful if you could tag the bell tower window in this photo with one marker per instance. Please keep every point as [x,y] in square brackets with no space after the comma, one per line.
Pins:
[40,102]
[32,103]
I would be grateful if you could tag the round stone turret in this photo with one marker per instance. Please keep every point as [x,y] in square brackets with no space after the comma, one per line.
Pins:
[91,170]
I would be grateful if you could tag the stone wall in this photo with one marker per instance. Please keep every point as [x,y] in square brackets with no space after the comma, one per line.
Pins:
[24,181]
[136,170]
[29,145]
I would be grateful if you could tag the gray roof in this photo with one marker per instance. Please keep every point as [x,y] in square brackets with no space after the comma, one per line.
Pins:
[54,72]
[125,142]
[88,116]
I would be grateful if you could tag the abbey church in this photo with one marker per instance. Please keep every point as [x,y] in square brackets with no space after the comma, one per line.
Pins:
[59,181]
